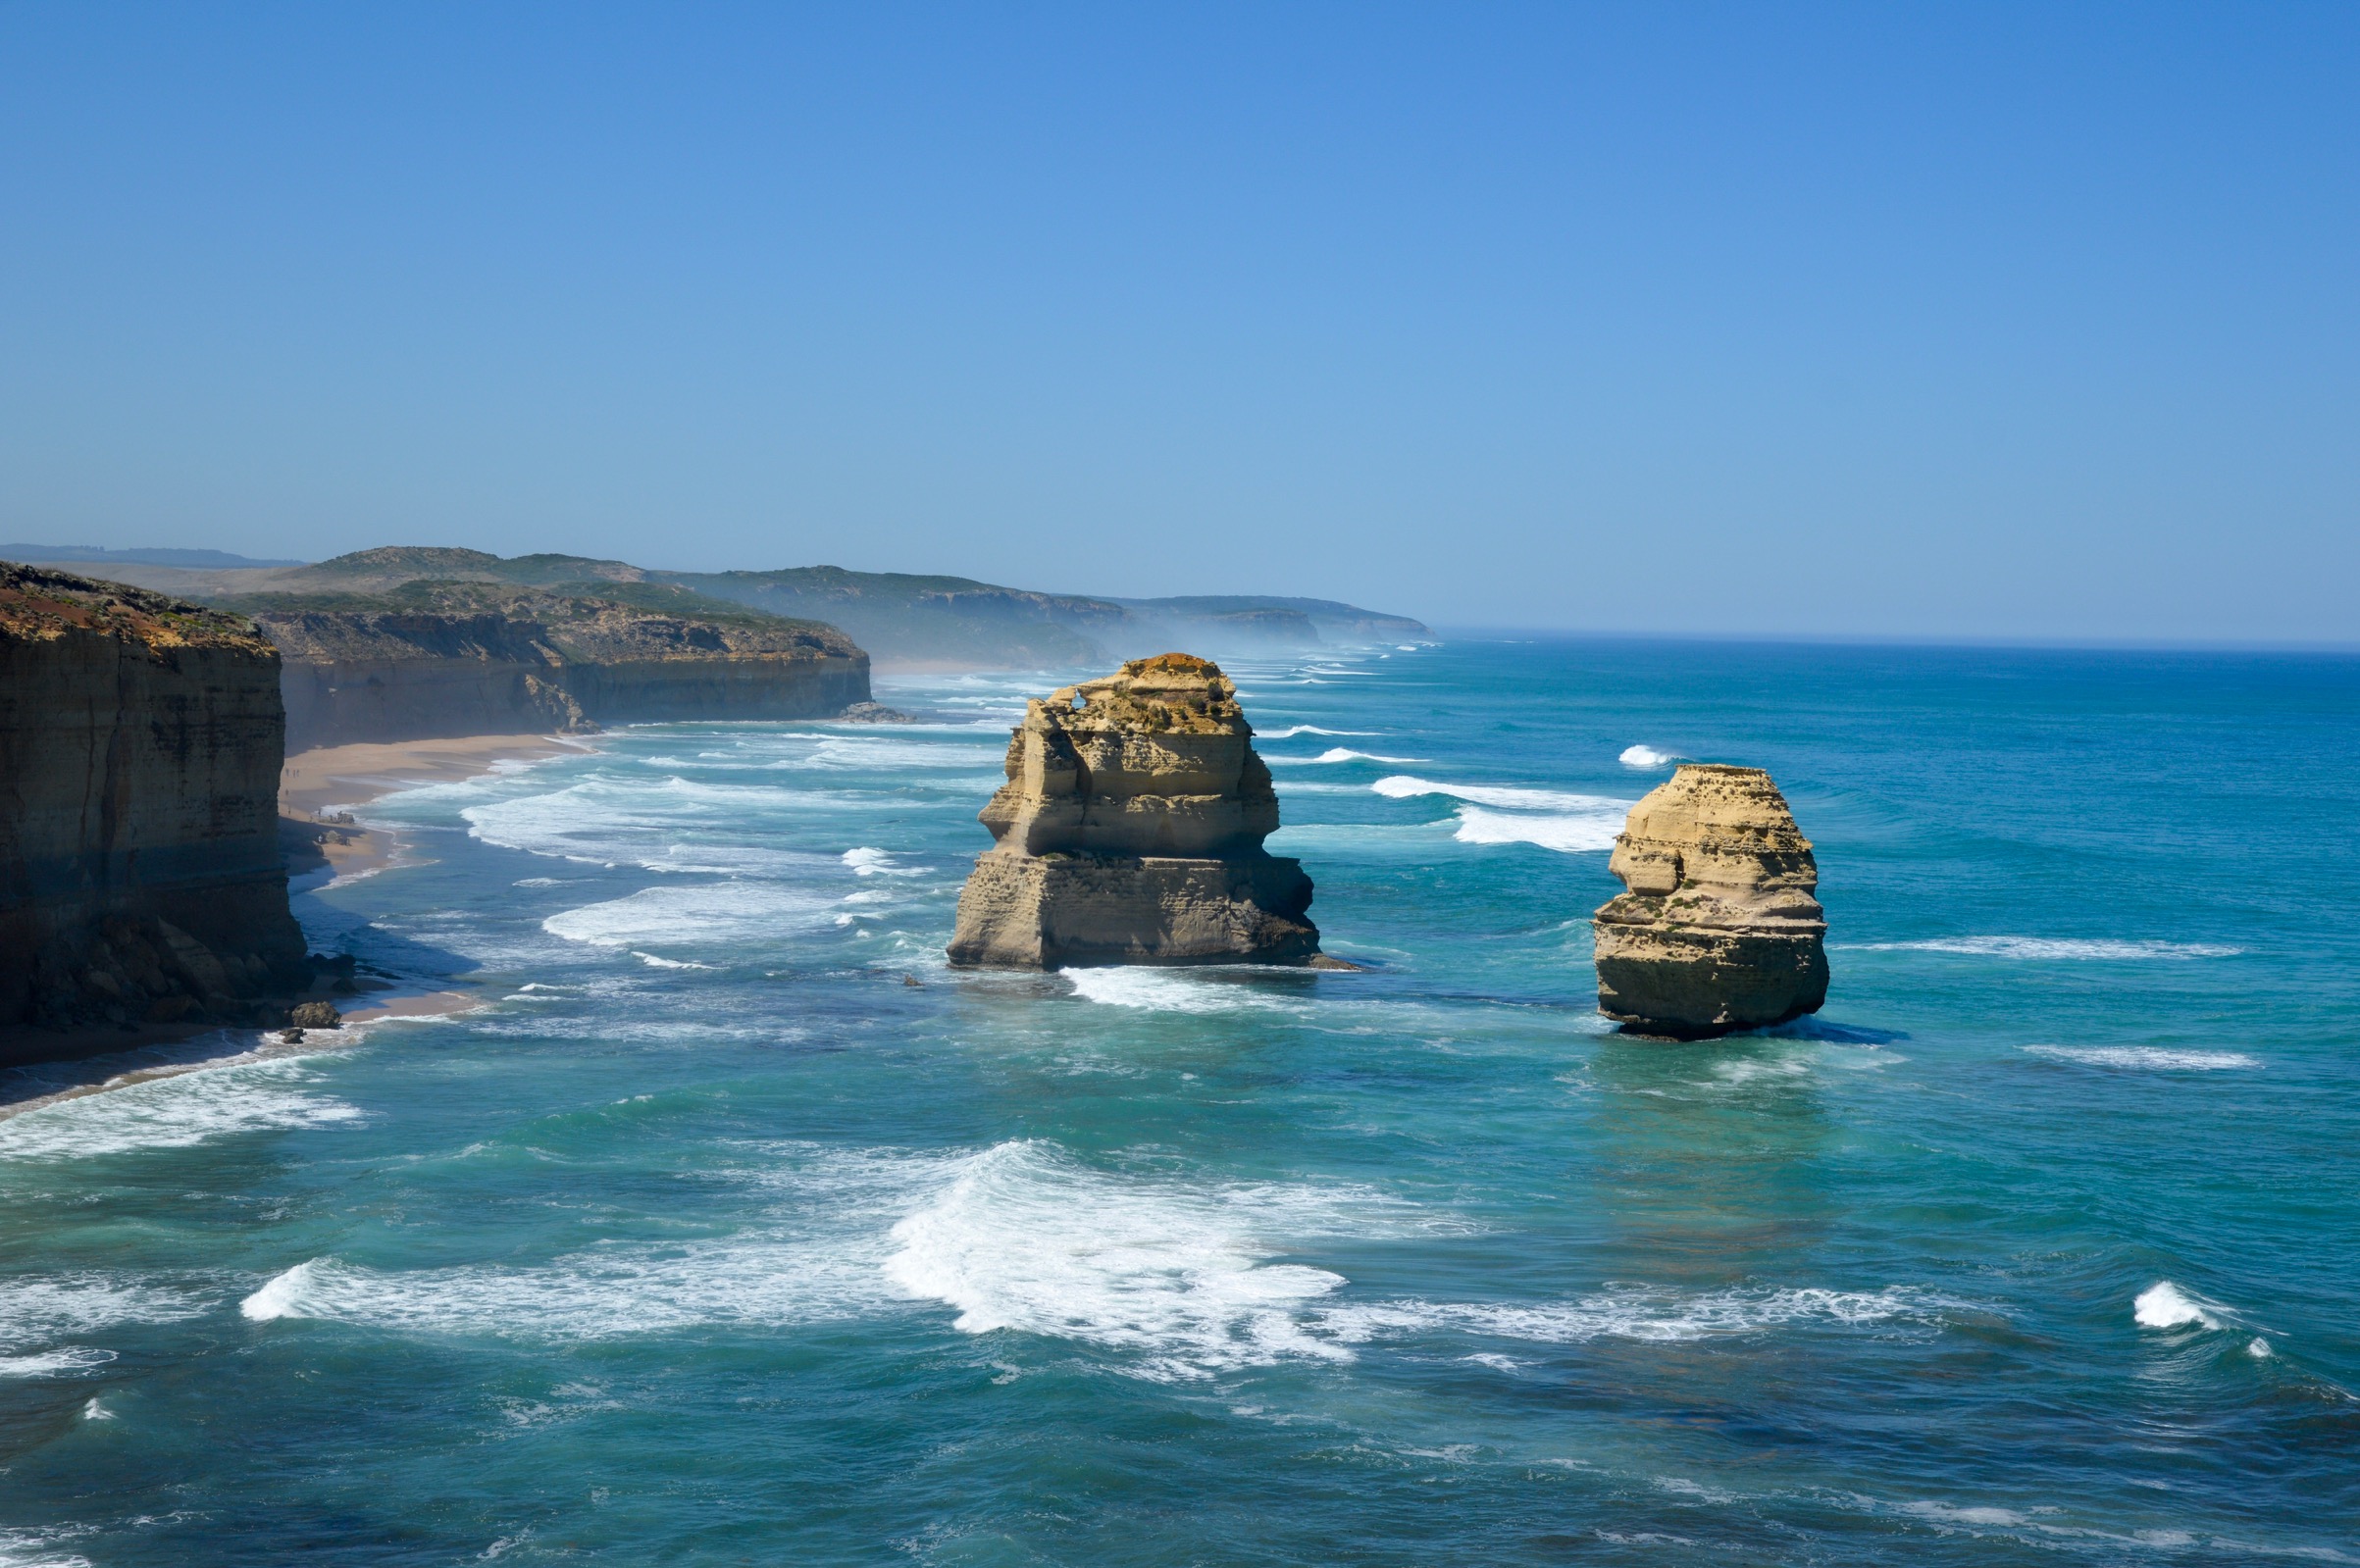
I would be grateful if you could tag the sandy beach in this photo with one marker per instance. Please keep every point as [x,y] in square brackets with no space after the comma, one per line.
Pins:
[328,778]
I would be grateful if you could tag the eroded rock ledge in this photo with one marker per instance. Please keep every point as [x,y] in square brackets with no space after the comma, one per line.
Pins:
[1720,930]
[1130,832]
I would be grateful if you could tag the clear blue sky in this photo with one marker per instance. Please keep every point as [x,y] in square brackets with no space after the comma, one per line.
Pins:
[1919,320]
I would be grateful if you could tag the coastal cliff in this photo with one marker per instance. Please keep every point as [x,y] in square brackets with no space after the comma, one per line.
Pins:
[899,618]
[1130,832]
[1719,930]
[140,877]
[434,660]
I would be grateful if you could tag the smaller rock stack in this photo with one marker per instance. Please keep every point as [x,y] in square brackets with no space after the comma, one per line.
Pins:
[1130,832]
[1720,930]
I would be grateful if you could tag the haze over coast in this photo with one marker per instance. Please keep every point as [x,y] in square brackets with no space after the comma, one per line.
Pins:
[1332,786]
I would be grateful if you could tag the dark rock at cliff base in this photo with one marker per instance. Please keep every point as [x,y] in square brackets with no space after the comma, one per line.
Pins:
[1130,832]
[141,879]
[1720,930]
[315,1015]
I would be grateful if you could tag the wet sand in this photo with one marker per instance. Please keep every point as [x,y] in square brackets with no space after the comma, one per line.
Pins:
[329,778]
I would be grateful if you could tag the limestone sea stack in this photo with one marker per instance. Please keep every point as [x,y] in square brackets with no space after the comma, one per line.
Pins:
[1130,832]
[1720,930]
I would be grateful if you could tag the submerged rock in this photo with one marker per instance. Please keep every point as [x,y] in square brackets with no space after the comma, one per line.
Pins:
[1130,832]
[1719,931]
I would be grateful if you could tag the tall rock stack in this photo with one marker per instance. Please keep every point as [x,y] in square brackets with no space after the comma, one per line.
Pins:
[1720,930]
[140,877]
[1130,832]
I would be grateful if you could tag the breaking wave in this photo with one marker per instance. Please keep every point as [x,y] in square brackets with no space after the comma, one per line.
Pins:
[1029,1239]
[1165,990]
[1567,834]
[1340,754]
[1403,787]
[1647,758]
[173,1112]
[2165,1305]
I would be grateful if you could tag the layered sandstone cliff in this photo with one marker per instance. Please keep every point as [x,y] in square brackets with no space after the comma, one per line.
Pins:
[140,740]
[1720,930]
[433,660]
[1130,832]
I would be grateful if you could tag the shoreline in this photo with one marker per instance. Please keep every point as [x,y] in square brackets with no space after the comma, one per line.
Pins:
[31,1085]
[41,1067]
[323,779]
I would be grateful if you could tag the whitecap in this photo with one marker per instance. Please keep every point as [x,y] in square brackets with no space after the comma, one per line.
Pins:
[2059,947]
[2165,1305]
[868,862]
[1294,729]
[1334,754]
[653,961]
[1945,1513]
[1569,833]
[1165,990]
[173,1112]
[726,912]
[1647,758]
[2147,1058]
[1026,1238]
[1403,787]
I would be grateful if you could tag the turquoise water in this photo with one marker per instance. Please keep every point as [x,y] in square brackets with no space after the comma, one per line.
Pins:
[711,1237]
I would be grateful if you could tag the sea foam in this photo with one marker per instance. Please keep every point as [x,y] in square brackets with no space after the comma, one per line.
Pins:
[63,1306]
[729,913]
[1334,754]
[1642,1314]
[1553,818]
[2164,1305]
[1165,990]
[173,1112]
[1569,833]
[2147,1058]
[1026,1238]
[2051,948]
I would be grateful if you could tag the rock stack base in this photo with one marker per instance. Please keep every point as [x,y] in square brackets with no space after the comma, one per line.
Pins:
[1130,832]
[1720,930]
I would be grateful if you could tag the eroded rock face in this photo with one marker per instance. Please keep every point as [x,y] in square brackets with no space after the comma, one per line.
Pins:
[1130,832]
[141,879]
[1720,930]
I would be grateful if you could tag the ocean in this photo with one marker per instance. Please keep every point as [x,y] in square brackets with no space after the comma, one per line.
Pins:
[735,1227]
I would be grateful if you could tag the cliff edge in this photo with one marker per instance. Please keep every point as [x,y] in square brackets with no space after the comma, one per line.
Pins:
[1130,832]
[140,738]
[436,659]
[1719,930]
